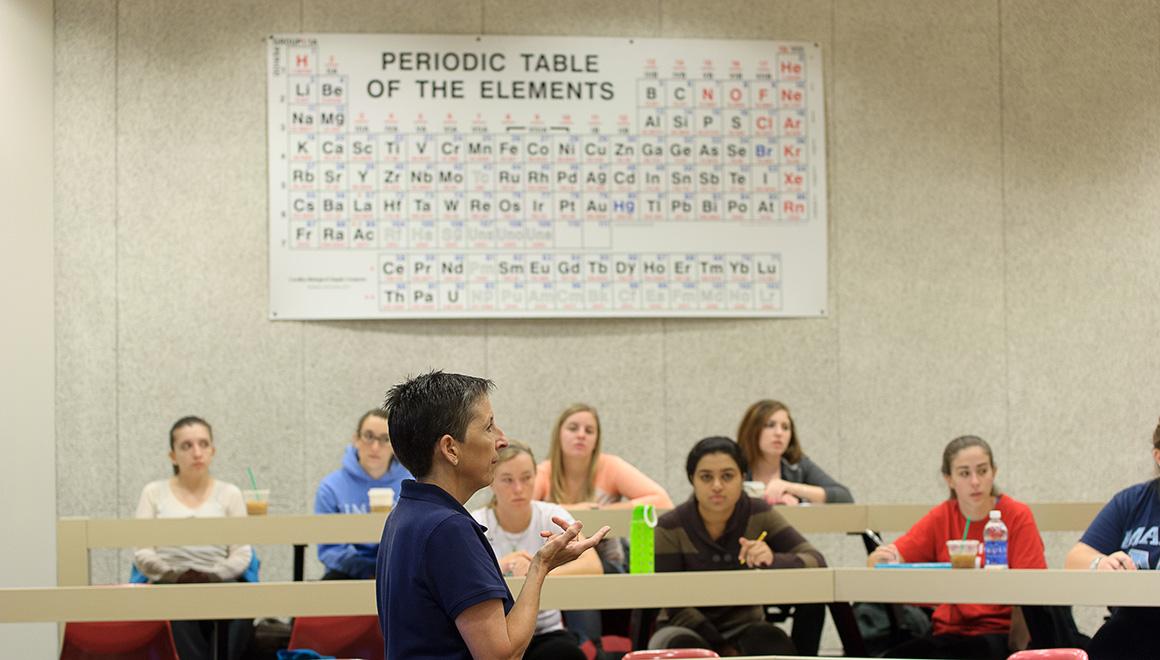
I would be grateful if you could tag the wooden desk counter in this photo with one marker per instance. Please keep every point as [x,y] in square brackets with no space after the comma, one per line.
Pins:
[228,601]
[694,589]
[271,530]
[367,528]
[1010,587]
[77,536]
[266,530]
[1049,516]
[855,518]
[1016,587]
[188,601]
[826,518]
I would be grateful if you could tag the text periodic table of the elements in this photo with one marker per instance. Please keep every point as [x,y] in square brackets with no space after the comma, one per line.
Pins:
[449,176]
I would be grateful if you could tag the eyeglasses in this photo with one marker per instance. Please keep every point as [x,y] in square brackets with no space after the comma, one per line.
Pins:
[370,438]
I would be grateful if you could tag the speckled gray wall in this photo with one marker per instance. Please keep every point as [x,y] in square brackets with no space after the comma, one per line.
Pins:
[994,170]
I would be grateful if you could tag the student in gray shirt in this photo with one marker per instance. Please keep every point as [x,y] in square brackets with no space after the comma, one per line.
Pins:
[771,446]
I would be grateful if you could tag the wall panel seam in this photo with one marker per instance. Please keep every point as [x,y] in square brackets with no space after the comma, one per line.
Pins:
[117,243]
[831,249]
[1003,239]
[831,231]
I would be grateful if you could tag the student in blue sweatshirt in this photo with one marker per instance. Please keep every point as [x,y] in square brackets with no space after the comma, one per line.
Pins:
[368,463]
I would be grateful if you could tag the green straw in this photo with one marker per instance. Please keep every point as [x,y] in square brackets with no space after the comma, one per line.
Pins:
[254,483]
[965,529]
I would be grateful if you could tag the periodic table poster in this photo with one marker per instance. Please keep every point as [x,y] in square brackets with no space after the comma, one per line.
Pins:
[450,176]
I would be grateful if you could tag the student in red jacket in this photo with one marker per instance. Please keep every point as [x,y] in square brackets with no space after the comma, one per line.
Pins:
[967,630]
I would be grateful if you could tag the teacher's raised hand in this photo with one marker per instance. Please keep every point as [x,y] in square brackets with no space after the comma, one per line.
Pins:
[562,547]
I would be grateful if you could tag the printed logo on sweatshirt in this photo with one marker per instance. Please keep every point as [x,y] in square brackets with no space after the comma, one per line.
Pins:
[350,507]
[1139,558]
[1141,536]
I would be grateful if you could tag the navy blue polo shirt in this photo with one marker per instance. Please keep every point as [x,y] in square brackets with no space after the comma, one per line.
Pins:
[434,562]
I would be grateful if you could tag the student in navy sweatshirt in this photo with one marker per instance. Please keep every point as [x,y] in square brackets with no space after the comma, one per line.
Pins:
[369,462]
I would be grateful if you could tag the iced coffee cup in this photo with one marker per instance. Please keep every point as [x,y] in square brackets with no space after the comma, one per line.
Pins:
[257,501]
[964,553]
[382,499]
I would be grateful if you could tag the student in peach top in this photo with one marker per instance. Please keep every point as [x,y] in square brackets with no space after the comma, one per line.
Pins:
[578,474]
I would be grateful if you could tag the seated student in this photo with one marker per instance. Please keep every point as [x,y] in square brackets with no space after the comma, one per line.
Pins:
[1124,537]
[968,631]
[577,473]
[717,529]
[192,493]
[771,445]
[514,522]
[369,462]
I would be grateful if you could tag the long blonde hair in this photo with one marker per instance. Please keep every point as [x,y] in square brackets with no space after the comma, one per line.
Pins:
[556,492]
[514,448]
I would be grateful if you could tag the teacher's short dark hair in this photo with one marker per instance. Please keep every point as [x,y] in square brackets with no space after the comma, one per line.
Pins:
[716,444]
[424,408]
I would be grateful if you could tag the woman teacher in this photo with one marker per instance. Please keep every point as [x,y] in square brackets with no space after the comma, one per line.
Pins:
[439,588]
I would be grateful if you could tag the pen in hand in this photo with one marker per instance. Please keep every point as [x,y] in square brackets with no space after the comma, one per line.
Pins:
[759,539]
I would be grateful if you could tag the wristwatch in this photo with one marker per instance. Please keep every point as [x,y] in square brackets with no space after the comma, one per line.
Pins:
[1095,563]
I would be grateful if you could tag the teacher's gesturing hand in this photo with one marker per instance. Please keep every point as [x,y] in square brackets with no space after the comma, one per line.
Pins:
[562,547]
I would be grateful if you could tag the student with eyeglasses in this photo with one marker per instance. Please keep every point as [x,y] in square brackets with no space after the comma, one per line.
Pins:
[369,462]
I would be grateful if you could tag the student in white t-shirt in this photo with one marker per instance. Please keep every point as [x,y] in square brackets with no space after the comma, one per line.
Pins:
[192,493]
[514,522]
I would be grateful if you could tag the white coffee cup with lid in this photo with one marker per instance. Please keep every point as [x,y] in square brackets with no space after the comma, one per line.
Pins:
[382,499]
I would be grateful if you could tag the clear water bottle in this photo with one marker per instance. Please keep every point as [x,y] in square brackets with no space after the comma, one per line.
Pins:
[995,542]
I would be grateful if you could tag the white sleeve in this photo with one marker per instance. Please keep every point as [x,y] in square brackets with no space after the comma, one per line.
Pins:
[480,516]
[559,511]
[151,565]
[238,557]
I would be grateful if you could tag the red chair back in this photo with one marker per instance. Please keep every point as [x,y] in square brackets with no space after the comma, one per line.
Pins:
[125,640]
[342,636]
[1050,654]
[611,644]
[671,653]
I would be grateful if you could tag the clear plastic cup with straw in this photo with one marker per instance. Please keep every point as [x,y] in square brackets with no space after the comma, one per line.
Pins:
[964,552]
[257,499]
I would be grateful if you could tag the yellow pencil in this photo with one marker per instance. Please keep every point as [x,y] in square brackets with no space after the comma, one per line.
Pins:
[759,540]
